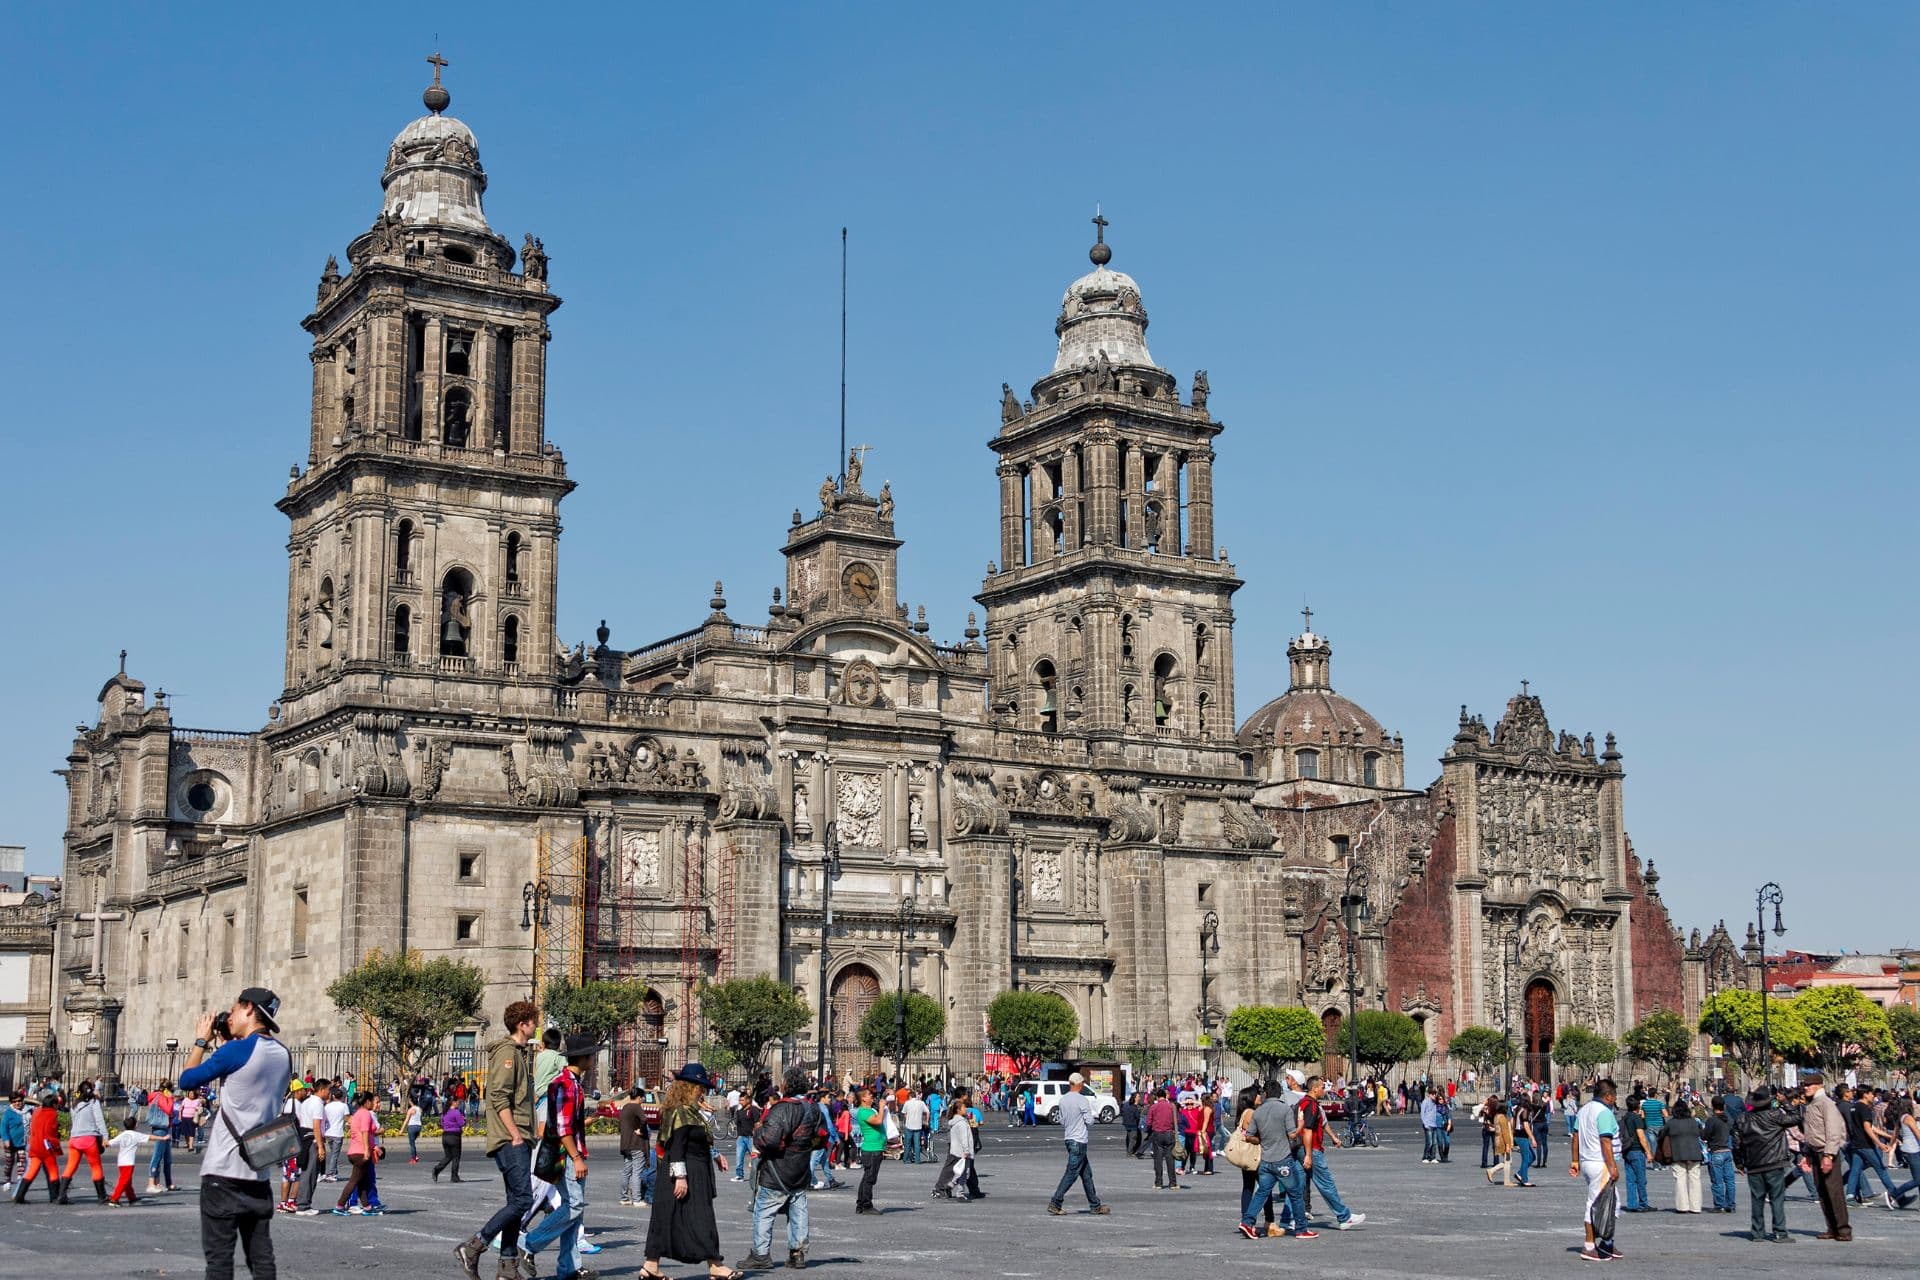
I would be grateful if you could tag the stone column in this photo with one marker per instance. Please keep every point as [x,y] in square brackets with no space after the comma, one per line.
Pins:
[324,365]
[1136,490]
[1103,465]
[1039,493]
[1070,500]
[1173,467]
[1012,517]
[430,378]
[1200,504]
[483,342]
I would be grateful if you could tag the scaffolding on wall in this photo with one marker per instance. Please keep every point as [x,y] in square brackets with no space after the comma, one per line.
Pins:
[559,911]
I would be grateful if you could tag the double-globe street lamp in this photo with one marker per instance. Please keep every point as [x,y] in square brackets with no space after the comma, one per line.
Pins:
[536,904]
[1769,895]
[829,872]
[1355,911]
[1209,946]
[900,998]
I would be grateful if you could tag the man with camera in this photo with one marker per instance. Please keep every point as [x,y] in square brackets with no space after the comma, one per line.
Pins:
[253,1069]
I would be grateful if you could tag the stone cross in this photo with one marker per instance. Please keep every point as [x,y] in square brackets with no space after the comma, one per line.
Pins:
[100,919]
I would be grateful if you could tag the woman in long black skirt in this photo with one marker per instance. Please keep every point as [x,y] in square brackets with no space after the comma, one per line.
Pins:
[682,1226]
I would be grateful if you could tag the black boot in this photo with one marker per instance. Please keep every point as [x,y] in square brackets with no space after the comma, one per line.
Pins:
[61,1186]
[100,1190]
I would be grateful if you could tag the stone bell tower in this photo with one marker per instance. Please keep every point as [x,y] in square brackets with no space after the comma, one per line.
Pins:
[425,523]
[1109,610]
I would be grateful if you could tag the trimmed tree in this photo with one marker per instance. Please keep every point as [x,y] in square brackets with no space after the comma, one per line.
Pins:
[1732,1018]
[410,1003]
[595,1008]
[1269,1035]
[1031,1027]
[1662,1040]
[1903,1025]
[747,1014]
[925,1021]
[1580,1049]
[1387,1039]
[1481,1048]
[1843,1026]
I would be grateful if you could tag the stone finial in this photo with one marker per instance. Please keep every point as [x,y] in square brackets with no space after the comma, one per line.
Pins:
[973,626]
[719,602]
[601,633]
[796,518]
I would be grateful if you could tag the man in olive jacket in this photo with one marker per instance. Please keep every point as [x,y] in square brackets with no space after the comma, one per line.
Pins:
[509,1141]
[1760,1148]
[1823,1131]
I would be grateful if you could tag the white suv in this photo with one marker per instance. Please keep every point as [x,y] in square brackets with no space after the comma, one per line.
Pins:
[1047,1095]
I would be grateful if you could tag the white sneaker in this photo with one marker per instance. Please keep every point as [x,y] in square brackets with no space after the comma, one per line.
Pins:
[1353,1221]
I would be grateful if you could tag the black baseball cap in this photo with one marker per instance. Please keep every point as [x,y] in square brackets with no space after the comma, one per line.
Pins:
[266,1005]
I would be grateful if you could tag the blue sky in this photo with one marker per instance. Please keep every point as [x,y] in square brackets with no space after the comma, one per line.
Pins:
[1573,343]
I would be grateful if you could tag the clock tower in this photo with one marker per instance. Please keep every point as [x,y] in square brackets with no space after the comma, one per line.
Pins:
[843,562]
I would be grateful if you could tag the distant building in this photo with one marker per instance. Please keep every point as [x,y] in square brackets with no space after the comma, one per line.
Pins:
[27,904]
[13,868]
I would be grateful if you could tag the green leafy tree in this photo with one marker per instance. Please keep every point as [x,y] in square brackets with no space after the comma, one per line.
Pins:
[595,1008]
[1481,1048]
[410,1003]
[1903,1026]
[1662,1039]
[925,1021]
[1031,1027]
[1267,1035]
[745,1015]
[716,1058]
[1387,1039]
[1580,1049]
[1143,1058]
[1732,1018]
[1843,1026]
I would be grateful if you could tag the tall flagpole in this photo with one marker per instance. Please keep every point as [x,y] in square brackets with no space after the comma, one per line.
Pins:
[841,467]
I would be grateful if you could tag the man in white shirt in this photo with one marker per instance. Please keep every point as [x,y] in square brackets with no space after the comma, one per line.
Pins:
[1075,1112]
[310,1111]
[336,1132]
[1597,1130]
[913,1124]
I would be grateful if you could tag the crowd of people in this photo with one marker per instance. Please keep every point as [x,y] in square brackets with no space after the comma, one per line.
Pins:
[240,1103]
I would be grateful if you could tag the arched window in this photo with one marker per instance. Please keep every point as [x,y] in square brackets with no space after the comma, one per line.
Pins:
[323,615]
[1044,674]
[1202,640]
[510,642]
[403,551]
[459,350]
[1165,670]
[456,613]
[1370,768]
[1200,713]
[402,632]
[456,420]
[1128,699]
[513,557]
[1126,637]
[1306,764]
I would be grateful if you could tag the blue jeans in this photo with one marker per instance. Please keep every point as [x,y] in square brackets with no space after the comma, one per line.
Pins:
[636,1176]
[162,1159]
[515,1162]
[766,1203]
[1720,1174]
[741,1146]
[1912,1161]
[1323,1183]
[817,1169]
[1442,1144]
[1428,1147]
[911,1151]
[1861,1159]
[1077,1170]
[562,1225]
[1526,1156]
[1636,1162]
[1287,1175]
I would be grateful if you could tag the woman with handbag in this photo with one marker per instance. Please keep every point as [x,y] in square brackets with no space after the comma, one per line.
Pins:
[1244,1155]
[159,1123]
[1502,1149]
[682,1226]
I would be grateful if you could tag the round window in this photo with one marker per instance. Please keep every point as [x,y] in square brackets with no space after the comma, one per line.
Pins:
[203,797]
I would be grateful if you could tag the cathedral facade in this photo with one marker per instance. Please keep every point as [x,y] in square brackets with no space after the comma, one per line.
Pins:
[1063,800]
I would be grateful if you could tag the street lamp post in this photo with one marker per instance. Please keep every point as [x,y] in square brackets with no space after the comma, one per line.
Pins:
[1357,911]
[536,903]
[829,872]
[1509,961]
[1768,896]
[900,999]
[1209,945]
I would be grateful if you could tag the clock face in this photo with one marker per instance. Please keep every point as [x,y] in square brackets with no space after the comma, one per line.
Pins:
[862,583]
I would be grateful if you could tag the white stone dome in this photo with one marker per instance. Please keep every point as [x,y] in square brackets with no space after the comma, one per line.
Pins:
[434,175]
[1102,311]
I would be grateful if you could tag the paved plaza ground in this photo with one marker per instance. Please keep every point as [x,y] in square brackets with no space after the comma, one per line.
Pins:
[1422,1220]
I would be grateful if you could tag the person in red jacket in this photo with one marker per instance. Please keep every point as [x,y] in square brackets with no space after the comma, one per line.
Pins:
[43,1149]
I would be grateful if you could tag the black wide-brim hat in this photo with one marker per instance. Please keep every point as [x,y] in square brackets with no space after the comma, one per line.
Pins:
[694,1073]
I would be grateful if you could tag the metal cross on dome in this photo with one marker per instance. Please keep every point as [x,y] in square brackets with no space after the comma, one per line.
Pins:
[1306,614]
[1100,225]
[438,62]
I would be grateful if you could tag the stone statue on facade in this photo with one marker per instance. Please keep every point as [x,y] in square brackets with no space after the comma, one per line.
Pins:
[886,502]
[854,467]
[829,496]
[1201,389]
[1102,377]
[533,257]
[1009,404]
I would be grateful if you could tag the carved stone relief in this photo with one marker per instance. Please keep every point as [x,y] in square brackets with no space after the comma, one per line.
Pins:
[857,806]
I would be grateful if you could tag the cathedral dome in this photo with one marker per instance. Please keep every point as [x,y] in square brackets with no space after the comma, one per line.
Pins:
[1102,312]
[1310,712]
[434,175]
